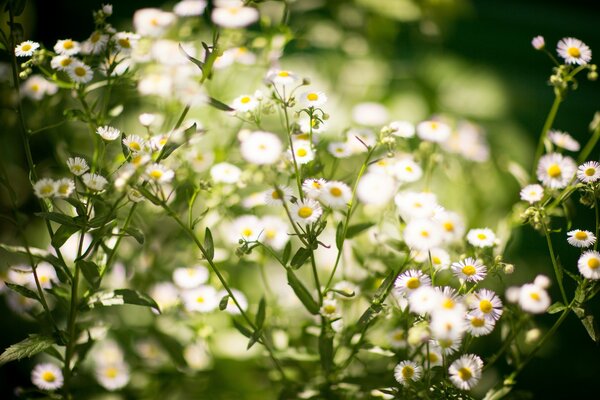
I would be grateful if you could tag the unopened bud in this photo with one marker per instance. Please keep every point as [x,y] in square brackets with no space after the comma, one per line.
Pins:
[509,269]
[592,75]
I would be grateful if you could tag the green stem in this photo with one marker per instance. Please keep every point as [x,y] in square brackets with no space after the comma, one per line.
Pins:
[557,268]
[547,125]
[589,146]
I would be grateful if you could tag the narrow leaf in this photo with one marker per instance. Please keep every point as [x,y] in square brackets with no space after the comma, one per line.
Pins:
[223,303]
[287,252]
[300,257]
[355,230]
[91,272]
[339,236]
[242,329]
[26,348]
[62,234]
[556,307]
[199,63]
[60,218]
[302,293]
[261,313]
[209,246]
[589,323]
[120,297]
[219,105]
[22,290]
[135,233]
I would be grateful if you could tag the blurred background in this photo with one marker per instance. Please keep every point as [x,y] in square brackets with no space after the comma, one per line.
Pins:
[468,58]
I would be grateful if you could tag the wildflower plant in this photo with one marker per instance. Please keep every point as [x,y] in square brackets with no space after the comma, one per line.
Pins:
[246,211]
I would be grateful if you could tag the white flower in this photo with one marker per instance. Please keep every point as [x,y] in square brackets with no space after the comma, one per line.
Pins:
[486,304]
[152,22]
[579,238]
[107,9]
[336,194]
[94,182]
[47,376]
[44,188]
[112,376]
[407,371]
[125,42]
[423,300]
[190,277]
[478,325]
[36,87]
[134,143]
[313,99]
[469,269]
[231,307]
[370,114]
[448,327]
[440,259]
[339,149]
[307,125]
[26,48]
[407,170]
[452,225]
[411,280]
[201,299]
[306,212]
[538,42]
[67,47]
[303,152]
[589,172]
[403,129]
[397,338]
[313,188]
[233,14]
[589,265]
[532,193]
[108,132]
[95,44]
[261,148]
[481,237]
[64,187]
[574,51]
[281,77]
[466,371]
[555,170]
[413,205]
[165,294]
[245,103]
[275,232]
[62,63]
[77,165]
[159,173]
[330,309]
[433,131]
[533,298]
[422,234]
[359,139]
[376,189]
[564,140]
[246,227]
[147,119]
[80,72]
[225,173]
[189,8]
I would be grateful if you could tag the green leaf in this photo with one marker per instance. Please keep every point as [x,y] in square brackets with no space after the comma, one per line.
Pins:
[287,252]
[26,348]
[91,272]
[18,6]
[342,293]
[339,236]
[169,148]
[242,329]
[22,290]
[209,246]
[300,257]
[120,297]
[62,234]
[60,218]
[556,308]
[354,230]
[198,63]
[223,303]
[218,104]
[326,347]
[253,339]
[302,292]
[589,323]
[147,194]
[135,233]
[260,314]
[79,206]
[36,252]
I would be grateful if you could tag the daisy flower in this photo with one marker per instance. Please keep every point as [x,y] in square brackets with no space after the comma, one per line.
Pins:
[336,194]
[61,63]
[339,149]
[397,338]
[64,187]
[244,103]
[440,259]
[433,131]
[108,132]
[134,143]
[466,371]
[423,300]
[376,189]
[165,294]
[538,42]
[80,72]
[478,325]
[533,298]
[190,277]
[564,140]
[330,308]
[449,299]
[532,193]
[434,356]
[94,182]
[453,226]
[448,327]
[555,170]
[67,47]
[125,42]
[46,275]
[159,173]
[306,212]
[189,8]
[574,51]
[486,304]
[469,269]
[36,87]
[313,99]
[481,237]
[411,280]
[152,22]
[277,196]
[113,376]
[579,238]
[303,152]
[44,188]
[225,173]
[95,44]
[407,371]
[414,205]
[403,129]
[589,172]
[201,299]
[47,376]
[407,170]
[422,234]
[275,232]
[589,264]
[262,148]
[281,77]
[26,48]
[313,188]
[370,114]
[246,227]
[233,14]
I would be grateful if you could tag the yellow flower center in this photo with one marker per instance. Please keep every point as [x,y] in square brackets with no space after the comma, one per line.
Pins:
[433,358]
[408,168]
[47,189]
[408,372]
[590,171]
[247,232]
[535,296]
[481,236]
[245,100]
[335,192]
[271,233]
[465,374]
[593,263]
[68,44]
[191,272]
[135,146]
[26,47]
[425,234]
[449,226]
[434,125]
[111,372]
[485,306]
[316,185]
[200,299]
[399,335]
[95,37]
[156,174]
[65,62]
[48,376]
[312,97]
[275,195]
[581,235]
[448,304]
[413,283]
[469,270]
[329,309]
[554,171]
[436,260]
[79,71]
[574,52]
[124,42]
[283,74]
[302,152]
[478,322]
[305,212]
[233,10]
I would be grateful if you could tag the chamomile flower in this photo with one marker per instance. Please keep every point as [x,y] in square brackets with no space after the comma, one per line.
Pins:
[46,275]
[47,376]
[423,300]
[134,143]
[246,227]
[36,87]
[62,63]
[94,182]
[434,357]
[422,234]
[440,259]
[538,42]
[589,172]
[415,205]
[165,294]
[67,47]
[555,170]
[113,376]
[411,280]
[281,77]
[275,232]
[453,225]
[574,51]
[80,72]
[125,42]
[466,371]
[190,277]
[201,299]
[376,189]
[108,132]
[262,148]
[95,44]
[339,149]
[589,265]
[330,308]
[45,188]
[245,103]
[579,238]
[448,326]
[313,99]
[533,298]
[276,196]
[313,187]
[484,237]
[335,194]
[225,173]
[478,325]
[64,187]
[302,153]
[189,8]
[26,48]
[407,170]
[485,303]
[306,212]
[233,14]
[433,131]
[532,193]
[469,269]
[152,22]
[407,371]
[397,338]
[370,114]
[159,173]
[403,129]
[564,140]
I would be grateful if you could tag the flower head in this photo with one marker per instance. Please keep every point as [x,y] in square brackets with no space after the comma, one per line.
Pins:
[47,376]
[403,129]
[26,48]
[108,132]
[411,280]
[574,51]
[469,269]
[589,172]
[261,148]
[201,299]
[159,173]
[94,182]
[407,371]
[466,371]
[589,264]
[533,298]
[313,99]
[486,304]
[481,237]
[306,212]
[303,152]
[336,194]
[564,140]
[422,234]
[555,170]
[67,47]
[113,376]
[225,173]
[579,238]
[44,188]
[80,72]
[190,277]
[313,188]
[77,165]
[64,187]
[233,14]
[532,193]
[281,77]
[245,103]
[433,131]
[538,42]
[134,143]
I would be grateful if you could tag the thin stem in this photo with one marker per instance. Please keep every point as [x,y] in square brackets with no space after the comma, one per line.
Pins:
[589,146]
[547,125]
[597,212]
[557,268]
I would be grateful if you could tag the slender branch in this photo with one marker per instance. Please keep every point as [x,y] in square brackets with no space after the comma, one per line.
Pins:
[557,268]
[547,125]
